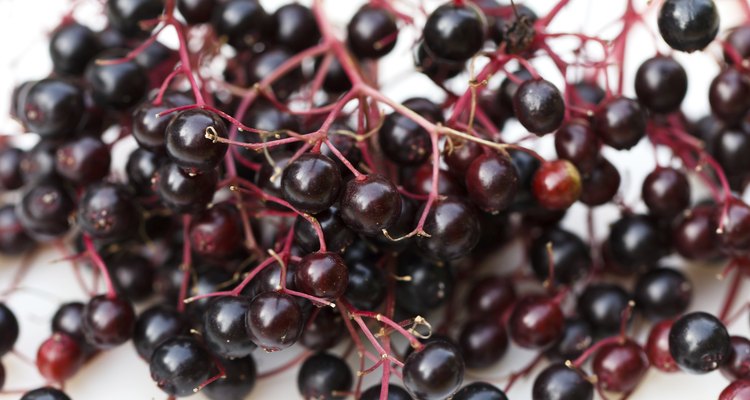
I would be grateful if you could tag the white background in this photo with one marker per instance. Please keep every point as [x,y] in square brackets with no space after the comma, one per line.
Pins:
[120,375]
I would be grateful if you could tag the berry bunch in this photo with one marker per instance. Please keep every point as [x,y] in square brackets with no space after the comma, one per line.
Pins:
[278,198]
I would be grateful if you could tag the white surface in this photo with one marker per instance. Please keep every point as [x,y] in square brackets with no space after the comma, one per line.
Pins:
[120,375]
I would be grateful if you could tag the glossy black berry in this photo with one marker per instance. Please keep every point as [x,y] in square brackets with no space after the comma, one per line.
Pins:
[156,325]
[53,108]
[127,15]
[185,192]
[728,95]
[108,211]
[180,365]
[238,382]
[602,306]
[83,160]
[8,329]
[108,322]
[663,293]
[620,123]
[426,288]
[45,393]
[539,106]
[571,259]
[311,183]
[453,226]
[688,25]
[636,242]
[295,27]
[274,321]
[224,327]
[661,84]
[370,204]
[699,343]
[117,86]
[191,140]
[480,391]
[454,32]
[44,210]
[372,32]
[666,192]
[71,47]
[394,393]
[558,382]
[435,371]
[242,22]
[324,376]
[492,182]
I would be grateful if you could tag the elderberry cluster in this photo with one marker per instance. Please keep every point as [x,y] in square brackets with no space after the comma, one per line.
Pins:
[278,199]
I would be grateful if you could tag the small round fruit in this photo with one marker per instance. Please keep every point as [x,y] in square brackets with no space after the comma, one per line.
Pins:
[688,25]
[699,343]
[557,184]
[539,106]
[434,371]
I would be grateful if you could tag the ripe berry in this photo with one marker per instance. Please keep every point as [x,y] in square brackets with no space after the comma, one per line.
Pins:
[739,39]
[108,322]
[238,382]
[661,84]
[558,382]
[576,142]
[394,393]
[636,242]
[663,293]
[404,141]
[132,275]
[83,161]
[8,329]
[127,15]
[620,123]
[557,184]
[71,47]
[539,106]
[427,287]
[699,343]
[490,296]
[324,329]
[601,184]
[370,204]
[479,391]
[372,32]
[107,211]
[274,321]
[155,326]
[295,27]
[729,95]
[694,234]
[242,23]
[188,140]
[666,192]
[454,32]
[196,11]
[434,371]
[602,306]
[266,63]
[311,183]
[44,210]
[13,238]
[180,365]
[322,275]
[324,376]
[576,338]
[688,25]
[53,108]
[185,192]
[117,86]
[571,258]
[224,327]
[337,235]
[492,181]
[453,226]
[483,342]
[366,289]
[45,393]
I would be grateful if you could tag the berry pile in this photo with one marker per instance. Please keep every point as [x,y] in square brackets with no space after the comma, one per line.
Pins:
[278,198]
